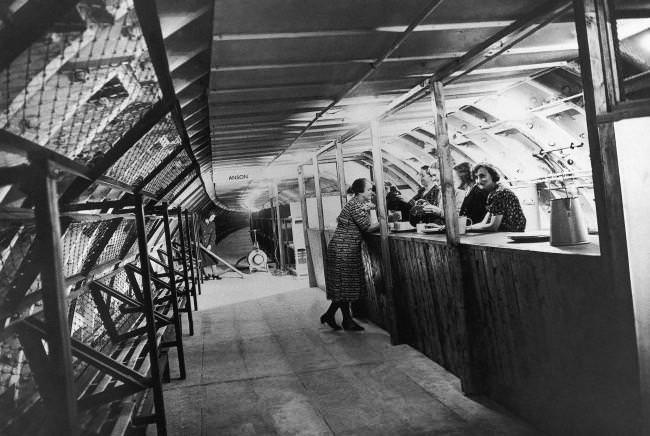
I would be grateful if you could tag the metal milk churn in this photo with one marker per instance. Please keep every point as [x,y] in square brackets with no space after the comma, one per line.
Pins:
[567,223]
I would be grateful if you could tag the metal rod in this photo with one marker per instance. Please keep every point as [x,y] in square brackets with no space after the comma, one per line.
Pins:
[305,227]
[178,325]
[186,252]
[477,56]
[159,404]
[62,412]
[382,215]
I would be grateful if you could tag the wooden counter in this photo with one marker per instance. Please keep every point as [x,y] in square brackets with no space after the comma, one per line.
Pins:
[534,327]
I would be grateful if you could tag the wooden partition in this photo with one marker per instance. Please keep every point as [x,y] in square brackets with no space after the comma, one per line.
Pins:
[536,331]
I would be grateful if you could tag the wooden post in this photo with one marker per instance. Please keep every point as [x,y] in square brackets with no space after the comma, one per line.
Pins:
[159,404]
[319,209]
[186,253]
[592,23]
[276,196]
[382,216]
[340,173]
[445,163]
[189,230]
[305,226]
[178,325]
[62,412]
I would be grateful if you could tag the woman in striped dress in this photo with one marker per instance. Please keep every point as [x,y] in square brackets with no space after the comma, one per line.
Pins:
[344,267]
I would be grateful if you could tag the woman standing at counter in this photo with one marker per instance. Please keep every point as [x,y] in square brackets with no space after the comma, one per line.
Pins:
[504,213]
[344,267]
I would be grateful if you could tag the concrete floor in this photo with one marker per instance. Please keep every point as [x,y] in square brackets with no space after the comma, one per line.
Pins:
[260,364]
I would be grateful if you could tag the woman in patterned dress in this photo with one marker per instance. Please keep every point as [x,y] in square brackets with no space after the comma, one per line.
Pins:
[504,213]
[344,267]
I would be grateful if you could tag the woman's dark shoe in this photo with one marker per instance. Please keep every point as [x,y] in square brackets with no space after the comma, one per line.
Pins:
[330,321]
[350,325]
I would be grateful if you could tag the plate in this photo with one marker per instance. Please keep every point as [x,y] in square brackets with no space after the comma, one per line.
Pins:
[436,230]
[412,229]
[530,237]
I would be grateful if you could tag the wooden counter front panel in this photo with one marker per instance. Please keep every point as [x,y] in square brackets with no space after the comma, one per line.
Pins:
[548,342]
[430,303]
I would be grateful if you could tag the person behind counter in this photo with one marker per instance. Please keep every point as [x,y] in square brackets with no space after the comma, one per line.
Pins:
[470,198]
[344,268]
[396,203]
[425,205]
[504,213]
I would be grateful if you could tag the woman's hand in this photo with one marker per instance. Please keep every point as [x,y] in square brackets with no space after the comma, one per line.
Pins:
[430,208]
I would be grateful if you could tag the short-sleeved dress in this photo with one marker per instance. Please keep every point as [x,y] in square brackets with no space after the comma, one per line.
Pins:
[344,268]
[502,201]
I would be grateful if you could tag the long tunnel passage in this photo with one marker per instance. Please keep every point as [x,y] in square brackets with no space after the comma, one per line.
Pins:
[340,217]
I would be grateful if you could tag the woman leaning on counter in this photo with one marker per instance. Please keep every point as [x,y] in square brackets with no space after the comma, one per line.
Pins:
[504,213]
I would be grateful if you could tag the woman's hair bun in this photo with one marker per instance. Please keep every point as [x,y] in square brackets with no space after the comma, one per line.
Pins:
[358,186]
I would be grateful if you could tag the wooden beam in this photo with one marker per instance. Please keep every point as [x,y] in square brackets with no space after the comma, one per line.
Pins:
[49,256]
[591,17]
[340,174]
[161,424]
[178,325]
[382,215]
[319,209]
[305,227]
[446,164]
[372,67]
[477,56]
[276,197]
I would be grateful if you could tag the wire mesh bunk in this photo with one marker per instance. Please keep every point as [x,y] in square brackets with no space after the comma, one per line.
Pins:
[83,124]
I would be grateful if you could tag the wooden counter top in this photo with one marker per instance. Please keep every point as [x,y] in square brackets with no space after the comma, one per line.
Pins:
[501,240]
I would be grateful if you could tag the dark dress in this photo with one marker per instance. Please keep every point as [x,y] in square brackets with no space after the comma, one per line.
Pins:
[344,268]
[502,201]
[417,214]
[474,204]
[207,236]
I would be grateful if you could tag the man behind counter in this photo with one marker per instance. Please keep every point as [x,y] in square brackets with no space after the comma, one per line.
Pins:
[425,205]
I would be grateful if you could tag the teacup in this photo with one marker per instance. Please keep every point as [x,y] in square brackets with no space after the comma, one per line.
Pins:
[419,227]
[462,224]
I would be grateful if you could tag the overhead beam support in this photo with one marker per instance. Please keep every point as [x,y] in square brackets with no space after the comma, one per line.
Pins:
[477,56]
[422,15]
